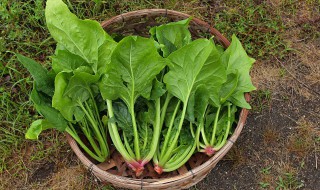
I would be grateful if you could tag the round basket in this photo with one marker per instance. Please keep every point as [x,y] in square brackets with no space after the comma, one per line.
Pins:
[115,171]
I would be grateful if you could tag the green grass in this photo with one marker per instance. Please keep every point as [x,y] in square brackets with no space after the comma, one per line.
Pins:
[258,25]
[22,31]
[289,181]
[261,100]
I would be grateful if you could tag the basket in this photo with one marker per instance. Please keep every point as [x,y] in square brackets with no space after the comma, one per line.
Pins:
[115,171]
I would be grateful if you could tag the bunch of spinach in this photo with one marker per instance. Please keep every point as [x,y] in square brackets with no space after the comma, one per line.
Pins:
[67,96]
[207,83]
[161,98]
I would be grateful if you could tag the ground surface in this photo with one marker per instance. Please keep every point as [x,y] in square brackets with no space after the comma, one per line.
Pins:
[279,146]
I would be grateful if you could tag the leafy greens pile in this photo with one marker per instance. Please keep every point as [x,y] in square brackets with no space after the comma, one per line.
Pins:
[161,98]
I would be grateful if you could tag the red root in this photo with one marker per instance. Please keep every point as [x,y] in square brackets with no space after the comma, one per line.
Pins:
[158,169]
[139,171]
[136,167]
[209,151]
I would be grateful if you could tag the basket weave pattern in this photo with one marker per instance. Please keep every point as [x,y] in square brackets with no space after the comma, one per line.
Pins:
[115,171]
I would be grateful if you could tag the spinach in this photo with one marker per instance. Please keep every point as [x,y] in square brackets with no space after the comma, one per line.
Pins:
[161,98]
[68,99]
[237,66]
[134,65]
[79,37]
[172,36]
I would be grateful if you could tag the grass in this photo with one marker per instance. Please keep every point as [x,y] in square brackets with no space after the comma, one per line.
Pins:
[262,27]
[259,28]
[288,181]
[261,100]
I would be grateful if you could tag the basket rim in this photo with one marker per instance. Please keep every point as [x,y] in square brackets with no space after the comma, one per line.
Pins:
[128,182]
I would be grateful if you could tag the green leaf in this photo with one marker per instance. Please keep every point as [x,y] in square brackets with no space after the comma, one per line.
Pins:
[80,37]
[43,106]
[123,118]
[173,35]
[63,60]
[238,99]
[190,70]
[79,86]
[185,137]
[157,90]
[105,52]
[60,101]
[202,96]
[133,67]
[209,119]
[229,87]
[34,130]
[43,80]
[237,61]
[37,127]
[215,72]
[190,109]
[145,134]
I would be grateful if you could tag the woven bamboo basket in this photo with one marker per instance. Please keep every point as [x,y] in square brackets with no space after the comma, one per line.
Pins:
[115,171]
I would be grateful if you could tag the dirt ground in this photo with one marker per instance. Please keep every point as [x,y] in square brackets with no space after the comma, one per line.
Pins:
[280,144]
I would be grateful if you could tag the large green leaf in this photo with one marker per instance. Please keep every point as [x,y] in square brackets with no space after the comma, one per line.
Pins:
[44,82]
[237,61]
[173,36]
[80,37]
[213,74]
[123,118]
[105,52]
[133,67]
[63,60]
[43,105]
[229,87]
[79,86]
[191,68]
[60,101]
[37,127]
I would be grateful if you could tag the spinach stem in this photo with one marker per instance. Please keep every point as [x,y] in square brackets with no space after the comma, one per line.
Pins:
[215,127]
[203,134]
[114,134]
[191,129]
[164,109]
[156,134]
[74,135]
[224,140]
[102,144]
[180,161]
[86,131]
[101,126]
[145,139]
[135,132]
[168,134]
[175,140]
[126,143]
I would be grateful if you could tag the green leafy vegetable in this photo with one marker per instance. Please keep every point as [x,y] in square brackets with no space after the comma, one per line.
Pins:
[162,98]
[237,66]
[188,73]
[173,36]
[80,37]
[238,62]
[40,75]
[66,98]
[130,75]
